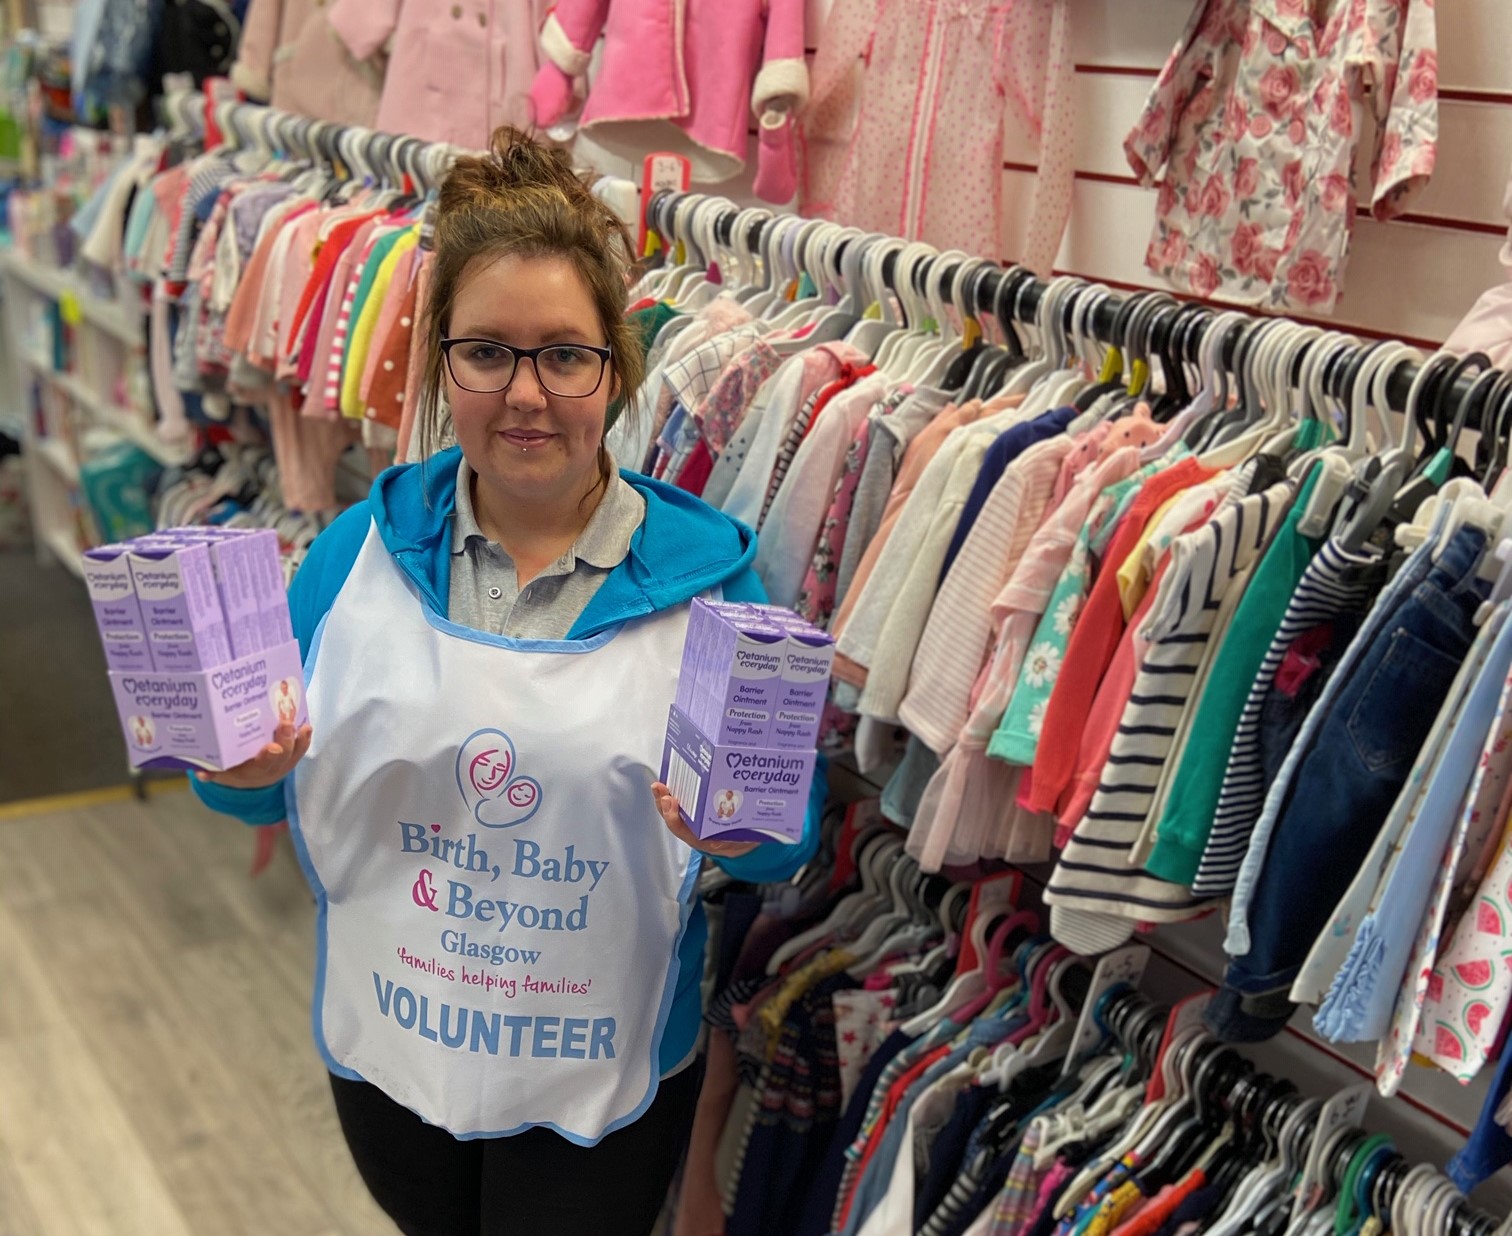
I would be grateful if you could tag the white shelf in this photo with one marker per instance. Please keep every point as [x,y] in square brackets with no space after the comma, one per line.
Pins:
[61,542]
[109,316]
[108,414]
[57,456]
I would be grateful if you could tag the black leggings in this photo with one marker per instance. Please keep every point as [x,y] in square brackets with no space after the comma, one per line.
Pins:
[535,1183]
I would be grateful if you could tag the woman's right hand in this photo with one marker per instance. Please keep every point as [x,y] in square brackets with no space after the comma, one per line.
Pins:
[270,766]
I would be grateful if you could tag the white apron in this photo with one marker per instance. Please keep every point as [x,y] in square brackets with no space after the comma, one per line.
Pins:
[500,904]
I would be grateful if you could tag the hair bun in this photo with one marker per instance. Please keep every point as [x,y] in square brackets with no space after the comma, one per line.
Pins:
[514,164]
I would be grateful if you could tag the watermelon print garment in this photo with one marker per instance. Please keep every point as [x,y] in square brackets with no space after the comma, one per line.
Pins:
[1465,996]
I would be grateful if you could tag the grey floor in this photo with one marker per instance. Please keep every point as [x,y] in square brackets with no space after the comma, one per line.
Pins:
[58,728]
[157,1074]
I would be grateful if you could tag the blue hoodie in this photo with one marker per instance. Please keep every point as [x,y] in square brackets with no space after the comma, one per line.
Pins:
[682,548]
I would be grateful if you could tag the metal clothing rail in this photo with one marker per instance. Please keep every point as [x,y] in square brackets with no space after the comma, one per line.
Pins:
[1173,329]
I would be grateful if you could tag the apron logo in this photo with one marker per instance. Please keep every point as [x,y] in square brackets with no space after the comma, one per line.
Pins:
[494,795]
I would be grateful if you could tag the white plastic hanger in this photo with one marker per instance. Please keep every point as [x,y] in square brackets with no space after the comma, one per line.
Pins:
[963,988]
[832,321]
[750,275]
[1048,323]
[774,265]
[897,914]
[898,351]
[811,233]
[694,288]
[673,215]
[868,334]
[1149,1118]
[870,848]
[1254,347]
[1051,1043]
[934,361]
[1345,465]
[1065,340]
[1266,1179]
[1212,389]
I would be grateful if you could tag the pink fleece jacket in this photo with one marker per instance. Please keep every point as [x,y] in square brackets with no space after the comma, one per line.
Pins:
[692,68]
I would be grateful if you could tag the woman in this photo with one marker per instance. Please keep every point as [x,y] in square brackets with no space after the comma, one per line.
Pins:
[510,941]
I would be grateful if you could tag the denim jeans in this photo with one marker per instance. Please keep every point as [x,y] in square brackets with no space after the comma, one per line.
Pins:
[1358,755]
[1283,712]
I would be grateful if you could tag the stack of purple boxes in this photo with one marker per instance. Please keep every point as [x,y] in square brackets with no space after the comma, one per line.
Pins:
[201,653]
[741,736]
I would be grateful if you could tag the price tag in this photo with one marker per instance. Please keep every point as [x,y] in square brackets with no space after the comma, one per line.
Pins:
[69,309]
[1345,1110]
[971,334]
[661,172]
[1123,965]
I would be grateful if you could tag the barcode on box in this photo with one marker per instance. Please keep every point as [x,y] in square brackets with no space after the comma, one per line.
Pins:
[684,781]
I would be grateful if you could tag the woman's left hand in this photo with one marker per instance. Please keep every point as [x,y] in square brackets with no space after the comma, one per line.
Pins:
[666,803]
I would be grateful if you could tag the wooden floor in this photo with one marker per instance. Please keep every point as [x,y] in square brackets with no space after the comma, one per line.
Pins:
[157,1073]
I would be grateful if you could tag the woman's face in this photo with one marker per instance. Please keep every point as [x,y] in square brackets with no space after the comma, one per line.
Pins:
[523,440]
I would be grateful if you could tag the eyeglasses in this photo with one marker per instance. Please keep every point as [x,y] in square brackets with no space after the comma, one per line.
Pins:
[486,366]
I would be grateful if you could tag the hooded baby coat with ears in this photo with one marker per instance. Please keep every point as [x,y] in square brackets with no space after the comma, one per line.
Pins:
[680,75]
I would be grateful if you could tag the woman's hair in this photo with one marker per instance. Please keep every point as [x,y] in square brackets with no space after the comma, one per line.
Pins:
[522,200]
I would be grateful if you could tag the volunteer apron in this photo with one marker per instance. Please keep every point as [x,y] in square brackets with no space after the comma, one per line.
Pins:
[500,903]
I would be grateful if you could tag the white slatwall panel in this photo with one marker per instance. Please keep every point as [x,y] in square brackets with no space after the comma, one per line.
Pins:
[1413,278]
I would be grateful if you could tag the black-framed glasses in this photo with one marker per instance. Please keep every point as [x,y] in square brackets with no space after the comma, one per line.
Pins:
[486,366]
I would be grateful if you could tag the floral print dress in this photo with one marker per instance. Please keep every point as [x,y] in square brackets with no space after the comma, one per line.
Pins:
[1255,120]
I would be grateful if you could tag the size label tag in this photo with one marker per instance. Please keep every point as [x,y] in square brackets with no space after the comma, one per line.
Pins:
[1124,965]
[660,172]
[1345,1110]
[1187,1013]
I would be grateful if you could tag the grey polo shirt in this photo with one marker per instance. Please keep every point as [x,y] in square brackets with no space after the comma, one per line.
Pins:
[485,593]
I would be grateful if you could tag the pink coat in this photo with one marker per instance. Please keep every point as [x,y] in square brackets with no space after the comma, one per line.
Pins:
[458,68]
[289,56]
[701,66]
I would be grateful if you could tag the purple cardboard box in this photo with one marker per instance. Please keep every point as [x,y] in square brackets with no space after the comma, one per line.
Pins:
[728,682]
[808,660]
[107,575]
[213,719]
[693,650]
[181,609]
[232,559]
[231,553]
[265,569]
[738,680]
[736,793]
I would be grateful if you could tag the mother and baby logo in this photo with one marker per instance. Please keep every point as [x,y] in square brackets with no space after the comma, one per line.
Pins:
[494,794]
[143,733]
[284,696]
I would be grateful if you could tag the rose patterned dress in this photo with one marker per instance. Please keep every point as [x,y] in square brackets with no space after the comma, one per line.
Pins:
[1255,120]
